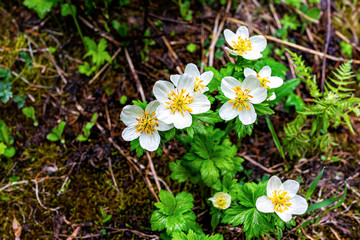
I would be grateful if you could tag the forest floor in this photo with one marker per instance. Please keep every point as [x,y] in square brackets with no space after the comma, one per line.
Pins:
[62,190]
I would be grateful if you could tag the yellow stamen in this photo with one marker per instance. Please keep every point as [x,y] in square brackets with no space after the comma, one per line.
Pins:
[280,200]
[242,46]
[179,101]
[146,123]
[198,84]
[221,202]
[241,98]
[263,81]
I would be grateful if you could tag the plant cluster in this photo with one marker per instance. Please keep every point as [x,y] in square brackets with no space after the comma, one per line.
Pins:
[189,105]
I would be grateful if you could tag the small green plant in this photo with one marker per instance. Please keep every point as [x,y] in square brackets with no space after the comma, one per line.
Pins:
[56,134]
[87,129]
[174,214]
[30,113]
[6,141]
[191,47]
[185,11]
[105,217]
[98,55]
[333,106]
[147,42]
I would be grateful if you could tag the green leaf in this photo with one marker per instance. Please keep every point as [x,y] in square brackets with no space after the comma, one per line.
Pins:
[275,137]
[5,73]
[107,218]
[2,148]
[167,204]
[65,9]
[209,117]
[191,47]
[263,109]
[184,203]
[178,172]
[42,7]
[5,91]
[215,81]
[61,128]
[140,104]
[175,223]
[52,137]
[81,138]
[296,101]
[9,152]
[314,13]
[158,221]
[314,184]
[209,172]
[98,53]
[86,69]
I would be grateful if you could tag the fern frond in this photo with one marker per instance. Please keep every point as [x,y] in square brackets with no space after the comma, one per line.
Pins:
[340,85]
[304,73]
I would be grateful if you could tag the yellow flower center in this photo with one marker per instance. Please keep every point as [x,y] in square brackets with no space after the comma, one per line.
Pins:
[179,101]
[242,46]
[263,81]
[280,200]
[198,84]
[241,98]
[146,123]
[220,202]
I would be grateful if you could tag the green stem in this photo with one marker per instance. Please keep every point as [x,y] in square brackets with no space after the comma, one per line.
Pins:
[76,23]
[228,129]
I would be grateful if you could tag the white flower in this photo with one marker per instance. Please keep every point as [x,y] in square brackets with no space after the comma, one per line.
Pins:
[265,78]
[143,124]
[242,45]
[221,200]
[242,97]
[201,80]
[178,103]
[282,199]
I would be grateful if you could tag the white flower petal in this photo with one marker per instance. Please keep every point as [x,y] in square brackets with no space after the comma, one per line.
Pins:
[248,116]
[206,77]
[130,113]
[275,82]
[265,205]
[265,72]
[291,187]
[299,205]
[249,71]
[200,104]
[164,114]
[175,79]
[152,106]
[272,97]
[252,55]
[251,82]
[259,95]
[274,183]
[187,82]
[205,89]
[180,121]
[163,126]
[243,32]
[162,89]
[150,142]
[130,133]
[227,112]
[230,37]
[258,43]
[285,216]
[192,70]
[227,85]
[232,51]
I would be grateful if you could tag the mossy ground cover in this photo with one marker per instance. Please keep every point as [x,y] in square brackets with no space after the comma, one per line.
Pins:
[59,189]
